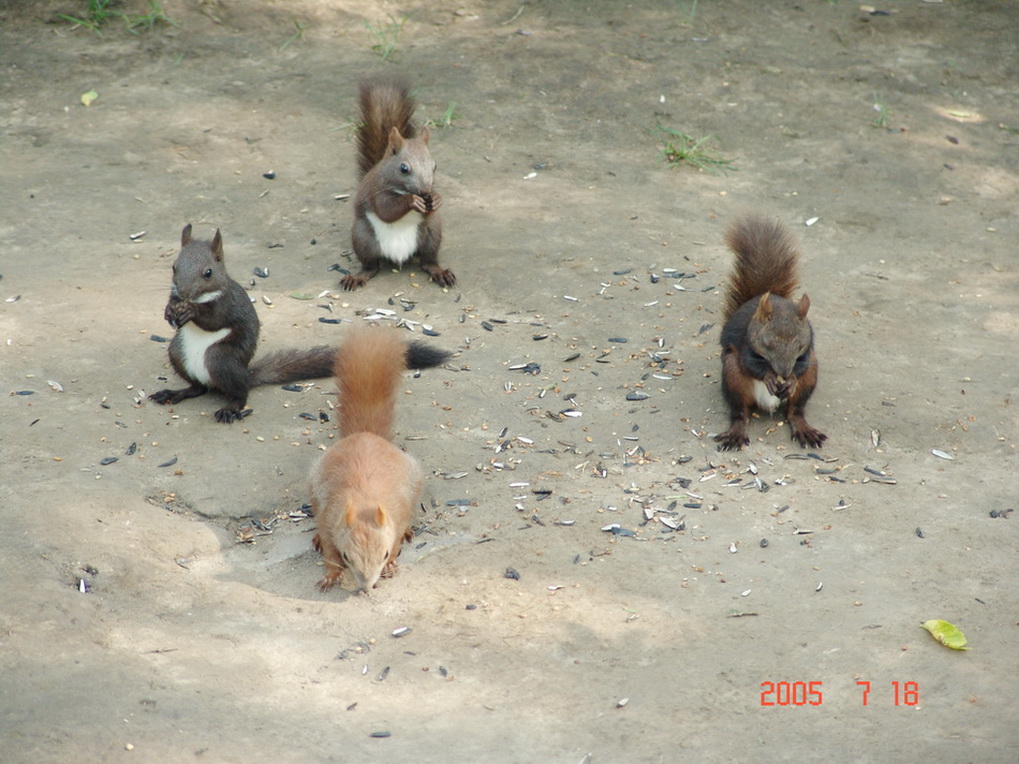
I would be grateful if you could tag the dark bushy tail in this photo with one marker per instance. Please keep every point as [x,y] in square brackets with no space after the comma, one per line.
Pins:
[385,104]
[285,366]
[766,261]
[421,355]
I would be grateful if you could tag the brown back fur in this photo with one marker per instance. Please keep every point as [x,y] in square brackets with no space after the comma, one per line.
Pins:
[766,261]
[385,104]
[368,369]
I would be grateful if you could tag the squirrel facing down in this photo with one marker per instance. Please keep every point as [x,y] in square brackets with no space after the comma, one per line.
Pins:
[217,332]
[364,488]
[768,355]
[395,210]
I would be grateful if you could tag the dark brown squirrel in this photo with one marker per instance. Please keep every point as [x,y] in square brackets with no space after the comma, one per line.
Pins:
[768,354]
[395,210]
[217,333]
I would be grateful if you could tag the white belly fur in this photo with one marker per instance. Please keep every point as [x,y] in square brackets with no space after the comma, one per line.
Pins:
[765,400]
[397,240]
[194,341]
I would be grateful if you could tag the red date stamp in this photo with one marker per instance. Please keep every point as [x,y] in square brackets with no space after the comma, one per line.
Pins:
[811,693]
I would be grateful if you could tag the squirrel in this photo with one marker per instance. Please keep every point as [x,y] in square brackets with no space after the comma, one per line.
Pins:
[217,332]
[395,209]
[768,357]
[364,488]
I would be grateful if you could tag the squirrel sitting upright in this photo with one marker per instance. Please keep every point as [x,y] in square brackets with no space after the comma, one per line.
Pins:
[768,355]
[395,210]
[364,489]
[217,332]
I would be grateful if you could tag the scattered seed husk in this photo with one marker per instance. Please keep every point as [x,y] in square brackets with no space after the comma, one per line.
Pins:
[381,734]
[402,631]
[512,574]
[382,674]
[942,454]
[637,395]
[170,463]
[108,460]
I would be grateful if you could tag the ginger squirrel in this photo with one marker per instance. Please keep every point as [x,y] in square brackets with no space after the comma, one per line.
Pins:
[395,209]
[217,332]
[364,489]
[768,355]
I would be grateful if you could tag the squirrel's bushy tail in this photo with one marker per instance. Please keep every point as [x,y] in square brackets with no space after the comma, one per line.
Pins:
[385,104]
[766,261]
[368,369]
[285,366]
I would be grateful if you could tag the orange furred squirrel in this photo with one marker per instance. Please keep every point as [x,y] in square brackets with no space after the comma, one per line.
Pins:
[364,489]
[396,210]
[768,356]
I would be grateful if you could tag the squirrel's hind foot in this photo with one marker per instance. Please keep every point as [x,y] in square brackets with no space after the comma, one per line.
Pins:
[807,436]
[228,415]
[732,440]
[169,397]
[442,276]
[352,281]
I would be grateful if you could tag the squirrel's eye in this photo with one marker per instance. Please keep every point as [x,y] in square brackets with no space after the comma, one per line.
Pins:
[207,273]
[346,560]
[803,358]
[405,168]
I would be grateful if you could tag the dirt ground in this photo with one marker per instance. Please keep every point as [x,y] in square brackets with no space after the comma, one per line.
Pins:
[159,599]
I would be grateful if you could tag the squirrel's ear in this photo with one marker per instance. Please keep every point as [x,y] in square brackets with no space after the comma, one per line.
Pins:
[395,141]
[217,245]
[425,134]
[185,235]
[380,516]
[803,307]
[351,515]
[763,312]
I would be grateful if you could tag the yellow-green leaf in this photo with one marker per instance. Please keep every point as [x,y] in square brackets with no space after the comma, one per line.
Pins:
[89,97]
[946,634]
[302,296]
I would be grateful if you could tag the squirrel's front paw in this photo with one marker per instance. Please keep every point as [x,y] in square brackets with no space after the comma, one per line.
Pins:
[177,313]
[432,201]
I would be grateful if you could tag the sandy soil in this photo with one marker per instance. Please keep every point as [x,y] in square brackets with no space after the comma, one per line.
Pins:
[147,616]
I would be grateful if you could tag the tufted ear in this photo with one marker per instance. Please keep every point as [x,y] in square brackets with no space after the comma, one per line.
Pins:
[395,141]
[217,246]
[803,307]
[351,515]
[763,312]
[380,516]
[185,235]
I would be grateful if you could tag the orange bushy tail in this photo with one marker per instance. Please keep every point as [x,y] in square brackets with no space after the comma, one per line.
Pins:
[368,369]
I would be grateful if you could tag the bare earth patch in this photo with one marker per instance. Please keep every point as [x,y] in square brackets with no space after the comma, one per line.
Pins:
[159,599]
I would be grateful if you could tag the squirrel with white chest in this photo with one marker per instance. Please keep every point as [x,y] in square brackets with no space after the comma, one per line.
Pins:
[768,358]
[217,333]
[364,489]
[395,209]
